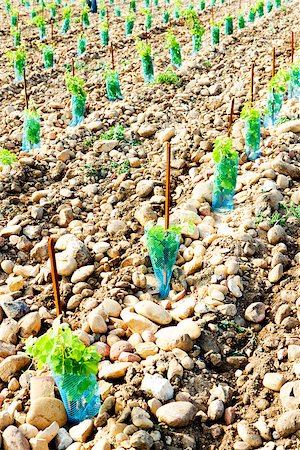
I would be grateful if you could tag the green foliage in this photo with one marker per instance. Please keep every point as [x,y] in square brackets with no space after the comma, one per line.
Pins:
[225,158]
[163,246]
[279,82]
[94,173]
[75,86]
[145,11]
[170,40]
[7,158]
[108,72]
[168,77]
[259,4]
[14,31]
[64,353]
[295,67]
[116,132]
[66,12]
[249,113]
[33,126]
[130,16]
[279,218]
[125,167]
[193,23]
[223,149]
[103,26]
[39,21]
[88,142]
[143,48]
[284,119]
[292,210]
[19,55]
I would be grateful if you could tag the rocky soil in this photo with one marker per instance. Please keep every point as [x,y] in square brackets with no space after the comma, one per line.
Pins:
[216,365]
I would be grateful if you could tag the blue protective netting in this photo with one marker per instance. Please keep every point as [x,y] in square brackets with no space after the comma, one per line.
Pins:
[79,406]
[163,254]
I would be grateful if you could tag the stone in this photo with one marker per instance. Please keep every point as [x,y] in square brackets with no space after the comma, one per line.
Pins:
[103,444]
[41,386]
[114,371]
[276,234]
[14,439]
[290,125]
[249,434]
[14,309]
[5,420]
[97,323]
[116,227]
[146,349]
[63,439]
[11,230]
[137,323]
[256,312]
[290,395]
[7,349]
[140,418]
[82,431]
[145,214]
[105,146]
[141,440]
[111,307]
[290,170]
[15,284]
[166,135]
[157,387]
[48,433]
[7,266]
[282,312]
[82,274]
[147,130]
[215,410]
[118,347]
[30,325]
[45,410]
[28,430]
[144,188]
[139,280]
[65,217]
[190,327]
[288,423]
[153,311]
[273,381]
[38,444]
[293,352]
[12,365]
[276,273]
[174,370]
[66,264]
[176,414]
[203,191]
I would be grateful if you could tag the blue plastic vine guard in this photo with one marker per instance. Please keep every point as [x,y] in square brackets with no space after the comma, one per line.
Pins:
[79,406]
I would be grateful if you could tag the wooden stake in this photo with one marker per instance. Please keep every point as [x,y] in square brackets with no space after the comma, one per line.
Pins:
[212,15]
[25,90]
[293,47]
[52,30]
[230,117]
[54,276]
[73,68]
[273,62]
[112,56]
[168,178]
[252,84]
